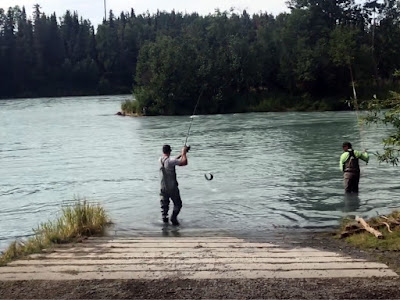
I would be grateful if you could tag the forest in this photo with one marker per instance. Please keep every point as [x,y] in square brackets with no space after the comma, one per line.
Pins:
[314,57]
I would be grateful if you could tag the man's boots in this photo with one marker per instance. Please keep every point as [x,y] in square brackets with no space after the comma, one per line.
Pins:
[174,219]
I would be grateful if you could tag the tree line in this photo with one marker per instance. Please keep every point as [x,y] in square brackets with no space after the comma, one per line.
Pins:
[315,56]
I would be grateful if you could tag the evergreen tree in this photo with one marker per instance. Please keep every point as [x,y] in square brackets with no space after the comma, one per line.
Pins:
[234,60]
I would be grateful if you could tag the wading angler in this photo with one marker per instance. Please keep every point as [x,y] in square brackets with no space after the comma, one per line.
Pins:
[169,184]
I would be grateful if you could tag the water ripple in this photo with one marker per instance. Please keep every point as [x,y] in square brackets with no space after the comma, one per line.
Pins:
[270,169]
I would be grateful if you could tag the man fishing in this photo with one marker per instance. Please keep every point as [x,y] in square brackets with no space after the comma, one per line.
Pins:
[169,184]
[349,165]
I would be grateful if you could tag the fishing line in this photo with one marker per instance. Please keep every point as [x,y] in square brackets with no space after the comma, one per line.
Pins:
[207,176]
[360,122]
[192,116]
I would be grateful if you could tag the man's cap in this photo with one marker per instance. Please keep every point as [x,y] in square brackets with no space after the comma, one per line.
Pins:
[166,149]
[348,144]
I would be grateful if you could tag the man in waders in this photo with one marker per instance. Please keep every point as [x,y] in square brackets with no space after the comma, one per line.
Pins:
[350,167]
[169,184]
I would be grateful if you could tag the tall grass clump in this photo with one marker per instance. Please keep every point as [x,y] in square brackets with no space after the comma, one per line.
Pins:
[130,107]
[82,219]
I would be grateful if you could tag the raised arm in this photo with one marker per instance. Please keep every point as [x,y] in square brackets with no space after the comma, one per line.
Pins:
[183,159]
[363,155]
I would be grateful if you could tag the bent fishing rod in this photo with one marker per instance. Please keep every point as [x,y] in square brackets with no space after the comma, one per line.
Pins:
[208,176]
[192,117]
[191,121]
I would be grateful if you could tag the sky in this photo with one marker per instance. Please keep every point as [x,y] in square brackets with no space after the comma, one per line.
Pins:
[94,9]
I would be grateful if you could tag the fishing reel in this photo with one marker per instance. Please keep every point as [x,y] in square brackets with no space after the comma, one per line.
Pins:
[187,148]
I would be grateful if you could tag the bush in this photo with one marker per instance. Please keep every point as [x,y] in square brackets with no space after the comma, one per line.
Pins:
[130,107]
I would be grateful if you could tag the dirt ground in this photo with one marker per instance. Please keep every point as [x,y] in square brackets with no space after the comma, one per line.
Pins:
[204,289]
[372,288]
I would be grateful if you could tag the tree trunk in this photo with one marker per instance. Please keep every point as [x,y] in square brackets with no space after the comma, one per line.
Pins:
[354,86]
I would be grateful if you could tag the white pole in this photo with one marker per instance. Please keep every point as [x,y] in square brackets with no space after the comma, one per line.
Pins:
[105,11]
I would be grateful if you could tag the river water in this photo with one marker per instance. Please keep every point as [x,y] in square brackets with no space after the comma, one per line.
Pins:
[271,170]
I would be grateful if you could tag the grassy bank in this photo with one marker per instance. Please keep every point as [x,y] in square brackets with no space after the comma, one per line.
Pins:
[130,108]
[388,225]
[238,103]
[390,242]
[275,100]
[78,220]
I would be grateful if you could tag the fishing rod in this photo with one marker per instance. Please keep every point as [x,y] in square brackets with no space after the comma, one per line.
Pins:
[208,176]
[192,117]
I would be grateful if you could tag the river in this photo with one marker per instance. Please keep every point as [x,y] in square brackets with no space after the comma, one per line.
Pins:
[270,169]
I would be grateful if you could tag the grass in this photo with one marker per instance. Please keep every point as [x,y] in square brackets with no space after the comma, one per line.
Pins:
[365,240]
[390,242]
[79,220]
[130,107]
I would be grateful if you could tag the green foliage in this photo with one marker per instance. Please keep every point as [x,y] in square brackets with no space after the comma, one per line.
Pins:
[234,60]
[387,112]
[343,45]
[166,76]
[130,107]
[80,219]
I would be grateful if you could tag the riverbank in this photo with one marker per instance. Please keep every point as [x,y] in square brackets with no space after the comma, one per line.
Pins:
[80,220]
[266,266]
[253,102]
[330,241]
[362,244]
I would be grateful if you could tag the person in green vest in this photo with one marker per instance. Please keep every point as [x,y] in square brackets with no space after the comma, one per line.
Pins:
[349,165]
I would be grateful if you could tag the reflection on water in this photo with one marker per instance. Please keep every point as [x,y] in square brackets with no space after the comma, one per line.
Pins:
[170,231]
[351,202]
[270,169]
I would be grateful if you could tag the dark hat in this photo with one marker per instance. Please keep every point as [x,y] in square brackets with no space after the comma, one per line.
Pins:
[348,144]
[166,149]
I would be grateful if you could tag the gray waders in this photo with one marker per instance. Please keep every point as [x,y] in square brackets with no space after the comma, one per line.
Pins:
[169,190]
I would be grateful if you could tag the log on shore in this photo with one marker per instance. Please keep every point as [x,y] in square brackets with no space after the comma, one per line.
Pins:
[368,228]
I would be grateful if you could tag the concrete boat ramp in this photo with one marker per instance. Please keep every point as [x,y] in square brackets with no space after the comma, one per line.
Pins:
[187,258]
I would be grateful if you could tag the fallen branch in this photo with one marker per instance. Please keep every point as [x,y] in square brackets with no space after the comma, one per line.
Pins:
[368,228]
[388,226]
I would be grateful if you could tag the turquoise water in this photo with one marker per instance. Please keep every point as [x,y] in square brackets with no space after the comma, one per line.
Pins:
[270,169]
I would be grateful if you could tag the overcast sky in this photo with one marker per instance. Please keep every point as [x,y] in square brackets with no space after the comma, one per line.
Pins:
[94,9]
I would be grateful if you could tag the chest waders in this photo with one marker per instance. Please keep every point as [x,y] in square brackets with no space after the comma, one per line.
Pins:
[351,164]
[351,175]
[169,190]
